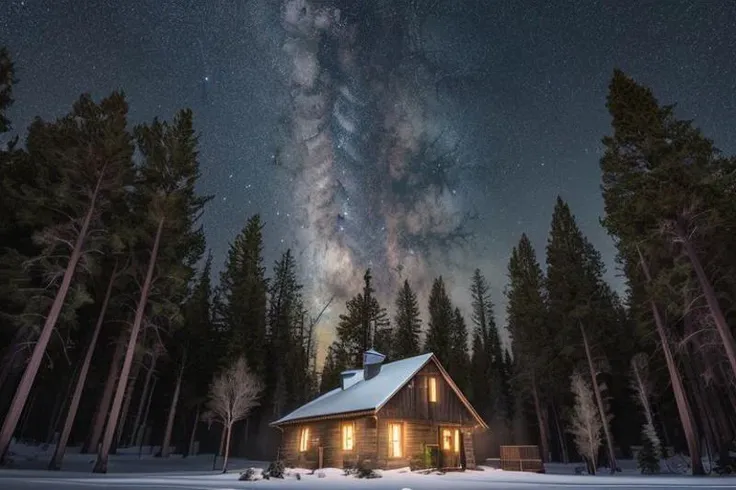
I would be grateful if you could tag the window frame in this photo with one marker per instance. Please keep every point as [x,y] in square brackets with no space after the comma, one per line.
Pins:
[347,427]
[393,444]
[304,439]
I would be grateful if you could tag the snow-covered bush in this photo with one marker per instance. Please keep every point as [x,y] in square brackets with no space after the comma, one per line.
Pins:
[248,475]
[363,469]
[275,469]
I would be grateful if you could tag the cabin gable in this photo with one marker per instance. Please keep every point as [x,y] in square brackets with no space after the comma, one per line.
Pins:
[412,401]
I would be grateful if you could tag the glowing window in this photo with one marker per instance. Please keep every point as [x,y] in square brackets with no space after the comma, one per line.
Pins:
[394,440]
[304,439]
[433,390]
[348,438]
[446,440]
[457,441]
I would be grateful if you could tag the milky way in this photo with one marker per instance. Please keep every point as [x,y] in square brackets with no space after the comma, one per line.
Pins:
[371,161]
[371,138]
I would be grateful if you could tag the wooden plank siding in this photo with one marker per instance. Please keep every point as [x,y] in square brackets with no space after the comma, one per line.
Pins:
[421,422]
[412,401]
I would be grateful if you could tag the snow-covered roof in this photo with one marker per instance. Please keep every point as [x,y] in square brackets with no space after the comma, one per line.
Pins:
[362,395]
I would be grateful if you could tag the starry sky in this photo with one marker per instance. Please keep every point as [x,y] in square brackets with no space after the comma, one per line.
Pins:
[528,120]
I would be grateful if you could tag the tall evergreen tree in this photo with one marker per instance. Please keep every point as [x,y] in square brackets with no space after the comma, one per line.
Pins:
[195,348]
[578,308]
[531,340]
[91,152]
[288,366]
[661,174]
[336,361]
[439,332]
[170,237]
[364,325]
[408,324]
[487,363]
[459,364]
[244,296]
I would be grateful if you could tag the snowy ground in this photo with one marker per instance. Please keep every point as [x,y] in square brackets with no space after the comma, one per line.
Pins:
[148,473]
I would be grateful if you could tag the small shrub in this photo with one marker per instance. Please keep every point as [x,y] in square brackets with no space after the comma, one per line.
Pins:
[248,475]
[648,459]
[298,476]
[366,469]
[275,469]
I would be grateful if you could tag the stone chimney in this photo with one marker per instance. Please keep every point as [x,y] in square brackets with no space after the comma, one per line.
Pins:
[372,361]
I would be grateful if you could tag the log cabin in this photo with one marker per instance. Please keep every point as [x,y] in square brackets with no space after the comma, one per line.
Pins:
[384,415]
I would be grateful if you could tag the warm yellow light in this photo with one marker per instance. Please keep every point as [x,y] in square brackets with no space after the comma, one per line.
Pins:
[347,437]
[446,440]
[395,440]
[457,441]
[433,390]
[304,440]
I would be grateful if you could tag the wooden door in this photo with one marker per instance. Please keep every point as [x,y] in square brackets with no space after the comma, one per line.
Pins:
[450,445]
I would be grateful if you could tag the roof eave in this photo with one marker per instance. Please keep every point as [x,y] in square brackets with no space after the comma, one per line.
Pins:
[341,415]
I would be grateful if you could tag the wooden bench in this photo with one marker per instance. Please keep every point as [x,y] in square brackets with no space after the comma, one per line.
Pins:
[521,458]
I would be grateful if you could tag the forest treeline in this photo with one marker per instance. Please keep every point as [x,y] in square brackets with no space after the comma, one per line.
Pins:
[113,329]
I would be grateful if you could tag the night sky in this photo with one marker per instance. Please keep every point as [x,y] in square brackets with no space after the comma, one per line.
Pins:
[529,121]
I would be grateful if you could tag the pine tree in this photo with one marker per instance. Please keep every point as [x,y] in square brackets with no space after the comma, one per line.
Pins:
[91,152]
[167,200]
[196,348]
[364,325]
[531,339]
[408,324]
[244,296]
[439,331]
[458,367]
[648,458]
[579,310]
[487,362]
[336,362]
[288,366]
[657,173]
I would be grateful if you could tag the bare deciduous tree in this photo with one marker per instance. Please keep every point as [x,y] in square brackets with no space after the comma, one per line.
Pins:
[585,423]
[233,394]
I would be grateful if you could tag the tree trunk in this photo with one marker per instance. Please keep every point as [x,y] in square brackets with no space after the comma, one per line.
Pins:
[29,376]
[599,402]
[123,417]
[172,410]
[27,411]
[683,406]
[103,455]
[701,406]
[710,296]
[104,406]
[560,435]
[11,354]
[228,433]
[58,456]
[59,404]
[133,440]
[190,449]
[541,420]
[144,424]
